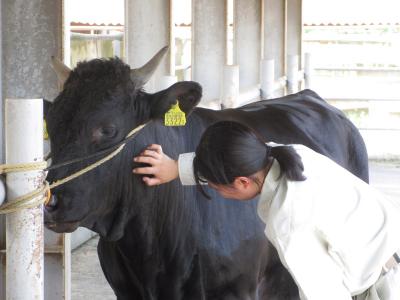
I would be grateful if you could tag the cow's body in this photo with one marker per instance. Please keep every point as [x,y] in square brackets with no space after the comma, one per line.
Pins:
[169,242]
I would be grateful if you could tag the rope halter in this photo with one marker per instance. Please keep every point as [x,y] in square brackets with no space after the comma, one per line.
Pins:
[42,195]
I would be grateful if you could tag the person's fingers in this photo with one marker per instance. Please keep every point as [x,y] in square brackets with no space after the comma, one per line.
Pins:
[146,160]
[151,181]
[155,147]
[151,153]
[144,170]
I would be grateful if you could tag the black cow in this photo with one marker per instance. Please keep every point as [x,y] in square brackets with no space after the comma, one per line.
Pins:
[169,242]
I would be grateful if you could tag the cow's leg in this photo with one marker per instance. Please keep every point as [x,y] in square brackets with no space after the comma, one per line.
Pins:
[116,272]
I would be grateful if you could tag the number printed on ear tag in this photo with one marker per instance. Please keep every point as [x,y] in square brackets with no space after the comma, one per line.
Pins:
[175,116]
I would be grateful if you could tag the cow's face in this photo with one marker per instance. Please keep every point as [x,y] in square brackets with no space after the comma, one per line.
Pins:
[101,102]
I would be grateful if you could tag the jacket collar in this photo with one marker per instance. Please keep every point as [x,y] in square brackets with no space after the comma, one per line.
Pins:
[271,181]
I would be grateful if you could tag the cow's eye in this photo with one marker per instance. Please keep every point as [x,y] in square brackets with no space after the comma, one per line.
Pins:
[103,133]
[109,131]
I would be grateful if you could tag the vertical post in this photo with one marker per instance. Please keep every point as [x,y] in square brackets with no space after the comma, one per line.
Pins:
[147,31]
[208,46]
[267,78]
[66,33]
[187,73]
[24,229]
[116,44]
[230,86]
[292,74]
[172,30]
[307,70]
[1,113]
[247,38]
[274,28]
[27,74]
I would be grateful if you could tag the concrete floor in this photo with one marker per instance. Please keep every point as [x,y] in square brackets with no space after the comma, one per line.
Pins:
[88,281]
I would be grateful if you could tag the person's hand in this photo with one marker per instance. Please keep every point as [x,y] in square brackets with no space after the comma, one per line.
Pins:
[162,168]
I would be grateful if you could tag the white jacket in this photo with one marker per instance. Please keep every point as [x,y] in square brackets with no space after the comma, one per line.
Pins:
[333,231]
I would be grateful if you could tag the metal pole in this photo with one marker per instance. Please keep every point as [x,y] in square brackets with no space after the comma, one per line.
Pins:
[24,229]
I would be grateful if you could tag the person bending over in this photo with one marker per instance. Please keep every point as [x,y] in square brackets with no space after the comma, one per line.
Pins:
[333,232]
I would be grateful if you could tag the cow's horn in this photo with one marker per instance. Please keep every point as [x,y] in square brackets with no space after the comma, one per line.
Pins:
[141,75]
[61,70]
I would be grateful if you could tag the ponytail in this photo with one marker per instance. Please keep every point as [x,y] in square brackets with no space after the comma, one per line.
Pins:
[289,161]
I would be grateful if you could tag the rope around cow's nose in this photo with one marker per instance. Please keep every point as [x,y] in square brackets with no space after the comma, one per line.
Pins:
[35,198]
[42,194]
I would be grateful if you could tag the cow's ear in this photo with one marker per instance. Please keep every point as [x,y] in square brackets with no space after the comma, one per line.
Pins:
[188,93]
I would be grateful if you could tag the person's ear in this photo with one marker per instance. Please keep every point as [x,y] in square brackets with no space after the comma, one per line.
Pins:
[242,182]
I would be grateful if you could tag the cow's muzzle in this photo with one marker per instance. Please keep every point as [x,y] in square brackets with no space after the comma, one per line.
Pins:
[62,227]
[54,225]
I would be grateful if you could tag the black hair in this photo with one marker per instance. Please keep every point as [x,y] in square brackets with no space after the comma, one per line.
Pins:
[229,149]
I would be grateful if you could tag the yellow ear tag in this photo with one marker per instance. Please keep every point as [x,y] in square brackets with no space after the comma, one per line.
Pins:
[45,133]
[175,117]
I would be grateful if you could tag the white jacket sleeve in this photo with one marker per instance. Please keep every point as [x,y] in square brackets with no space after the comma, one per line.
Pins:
[316,274]
[185,168]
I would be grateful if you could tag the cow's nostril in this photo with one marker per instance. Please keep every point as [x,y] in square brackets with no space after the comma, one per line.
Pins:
[52,204]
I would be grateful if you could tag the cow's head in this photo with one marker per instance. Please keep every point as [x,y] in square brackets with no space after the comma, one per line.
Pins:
[101,101]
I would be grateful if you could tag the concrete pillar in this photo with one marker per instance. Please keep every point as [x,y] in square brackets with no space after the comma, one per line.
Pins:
[66,23]
[294,27]
[147,31]
[274,35]
[1,97]
[308,70]
[31,34]
[292,74]
[293,43]
[267,78]
[24,229]
[208,46]
[230,86]
[247,41]
[2,159]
